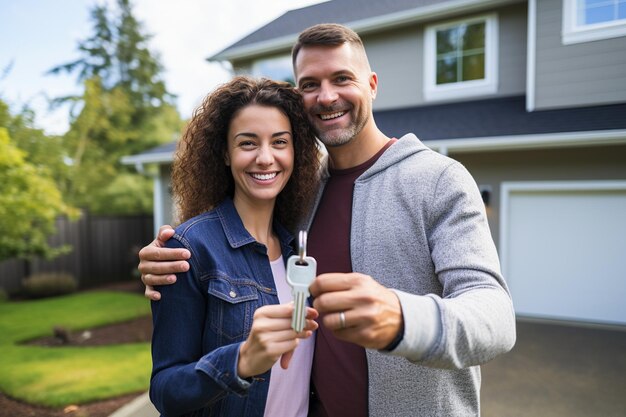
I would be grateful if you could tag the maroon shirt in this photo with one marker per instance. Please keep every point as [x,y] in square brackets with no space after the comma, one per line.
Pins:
[339,374]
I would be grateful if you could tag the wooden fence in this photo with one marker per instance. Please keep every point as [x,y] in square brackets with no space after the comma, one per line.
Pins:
[104,250]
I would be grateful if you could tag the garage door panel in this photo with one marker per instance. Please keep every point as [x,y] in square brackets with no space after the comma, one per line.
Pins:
[566,251]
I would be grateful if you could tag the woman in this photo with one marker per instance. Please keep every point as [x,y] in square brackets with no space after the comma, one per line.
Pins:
[245,168]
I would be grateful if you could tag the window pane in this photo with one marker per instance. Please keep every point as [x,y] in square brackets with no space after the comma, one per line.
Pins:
[599,14]
[621,10]
[447,70]
[588,3]
[474,67]
[474,36]
[447,40]
[275,68]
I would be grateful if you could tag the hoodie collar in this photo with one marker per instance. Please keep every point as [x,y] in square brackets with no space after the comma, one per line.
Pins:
[405,147]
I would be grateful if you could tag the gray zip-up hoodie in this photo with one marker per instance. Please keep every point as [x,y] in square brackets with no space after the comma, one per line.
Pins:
[419,227]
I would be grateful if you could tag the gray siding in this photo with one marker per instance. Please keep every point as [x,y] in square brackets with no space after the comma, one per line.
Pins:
[572,164]
[579,74]
[396,56]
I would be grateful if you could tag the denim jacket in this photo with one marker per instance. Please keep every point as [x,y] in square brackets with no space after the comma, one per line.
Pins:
[200,323]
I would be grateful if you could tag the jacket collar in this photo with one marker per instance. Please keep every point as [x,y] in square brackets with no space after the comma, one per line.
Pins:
[235,231]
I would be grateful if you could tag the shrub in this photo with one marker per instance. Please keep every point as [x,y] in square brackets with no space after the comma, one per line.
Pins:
[3,295]
[49,284]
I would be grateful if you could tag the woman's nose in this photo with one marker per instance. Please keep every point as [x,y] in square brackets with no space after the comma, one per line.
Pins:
[265,156]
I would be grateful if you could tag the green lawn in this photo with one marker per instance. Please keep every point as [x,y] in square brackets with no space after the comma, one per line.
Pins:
[58,376]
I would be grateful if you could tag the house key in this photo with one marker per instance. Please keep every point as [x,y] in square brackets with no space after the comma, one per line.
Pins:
[301,271]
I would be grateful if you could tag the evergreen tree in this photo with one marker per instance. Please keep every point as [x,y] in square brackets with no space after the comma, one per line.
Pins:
[125,108]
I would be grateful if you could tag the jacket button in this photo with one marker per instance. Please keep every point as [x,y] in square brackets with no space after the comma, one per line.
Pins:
[232,294]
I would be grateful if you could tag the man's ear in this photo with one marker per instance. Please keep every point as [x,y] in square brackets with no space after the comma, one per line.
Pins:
[374,84]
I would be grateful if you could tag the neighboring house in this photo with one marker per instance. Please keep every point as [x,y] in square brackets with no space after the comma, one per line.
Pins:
[529,95]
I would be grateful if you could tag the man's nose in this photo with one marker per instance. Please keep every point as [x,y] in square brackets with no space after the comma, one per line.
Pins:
[327,95]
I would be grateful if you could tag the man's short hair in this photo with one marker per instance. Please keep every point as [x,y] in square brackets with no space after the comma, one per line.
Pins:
[325,34]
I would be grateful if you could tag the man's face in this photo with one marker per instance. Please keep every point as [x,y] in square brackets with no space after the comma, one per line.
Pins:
[338,88]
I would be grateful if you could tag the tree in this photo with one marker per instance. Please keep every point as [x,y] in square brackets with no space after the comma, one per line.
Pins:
[45,152]
[124,109]
[29,204]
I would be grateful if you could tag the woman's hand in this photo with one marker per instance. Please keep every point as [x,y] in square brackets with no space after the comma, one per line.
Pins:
[271,338]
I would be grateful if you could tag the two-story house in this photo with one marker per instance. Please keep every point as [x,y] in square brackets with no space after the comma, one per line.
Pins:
[530,95]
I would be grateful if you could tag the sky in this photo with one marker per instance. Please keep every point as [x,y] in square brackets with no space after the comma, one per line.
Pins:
[36,35]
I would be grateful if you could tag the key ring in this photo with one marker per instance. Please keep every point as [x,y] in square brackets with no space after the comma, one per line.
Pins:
[302,247]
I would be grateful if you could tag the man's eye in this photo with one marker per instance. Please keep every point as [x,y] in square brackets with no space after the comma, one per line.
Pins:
[307,86]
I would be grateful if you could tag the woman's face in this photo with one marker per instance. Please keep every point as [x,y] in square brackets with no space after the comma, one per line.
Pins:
[260,153]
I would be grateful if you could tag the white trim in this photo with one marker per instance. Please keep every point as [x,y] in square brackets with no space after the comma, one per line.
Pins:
[531,55]
[476,144]
[157,203]
[148,158]
[538,141]
[508,188]
[416,15]
[572,33]
[488,85]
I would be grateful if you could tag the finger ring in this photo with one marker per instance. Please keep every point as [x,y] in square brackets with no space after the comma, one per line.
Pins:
[342,320]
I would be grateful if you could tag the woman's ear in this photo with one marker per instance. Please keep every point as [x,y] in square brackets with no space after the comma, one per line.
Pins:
[227,159]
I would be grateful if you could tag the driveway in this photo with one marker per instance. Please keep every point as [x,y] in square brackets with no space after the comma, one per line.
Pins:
[558,370]
[554,370]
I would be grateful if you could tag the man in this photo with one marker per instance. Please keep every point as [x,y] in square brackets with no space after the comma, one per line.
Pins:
[410,292]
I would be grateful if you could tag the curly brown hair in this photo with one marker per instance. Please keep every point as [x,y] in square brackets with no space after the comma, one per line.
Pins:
[200,178]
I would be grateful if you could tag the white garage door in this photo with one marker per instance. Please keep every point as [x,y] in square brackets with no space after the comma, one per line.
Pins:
[563,249]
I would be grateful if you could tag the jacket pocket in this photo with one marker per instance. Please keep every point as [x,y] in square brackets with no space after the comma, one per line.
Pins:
[232,302]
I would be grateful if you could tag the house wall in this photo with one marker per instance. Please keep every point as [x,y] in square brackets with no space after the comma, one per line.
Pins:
[571,164]
[396,56]
[580,74]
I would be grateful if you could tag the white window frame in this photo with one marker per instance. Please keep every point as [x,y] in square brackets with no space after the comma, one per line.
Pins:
[572,33]
[488,85]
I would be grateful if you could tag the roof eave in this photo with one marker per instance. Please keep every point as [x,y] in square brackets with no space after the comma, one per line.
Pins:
[468,145]
[373,24]
[529,141]
[148,158]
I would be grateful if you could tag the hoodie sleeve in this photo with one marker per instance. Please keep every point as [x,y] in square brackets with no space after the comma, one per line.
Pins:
[472,320]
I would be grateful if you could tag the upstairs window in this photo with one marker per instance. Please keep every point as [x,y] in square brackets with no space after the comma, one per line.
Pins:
[591,20]
[460,58]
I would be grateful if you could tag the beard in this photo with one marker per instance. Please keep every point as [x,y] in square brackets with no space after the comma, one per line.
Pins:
[336,136]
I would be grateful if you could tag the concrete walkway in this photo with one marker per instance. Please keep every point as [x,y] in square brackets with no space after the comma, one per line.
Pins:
[139,407]
[554,370]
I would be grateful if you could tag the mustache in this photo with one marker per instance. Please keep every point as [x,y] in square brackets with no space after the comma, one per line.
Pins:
[330,109]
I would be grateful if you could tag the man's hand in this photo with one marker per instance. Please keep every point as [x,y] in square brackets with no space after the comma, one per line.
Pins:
[157,264]
[372,316]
